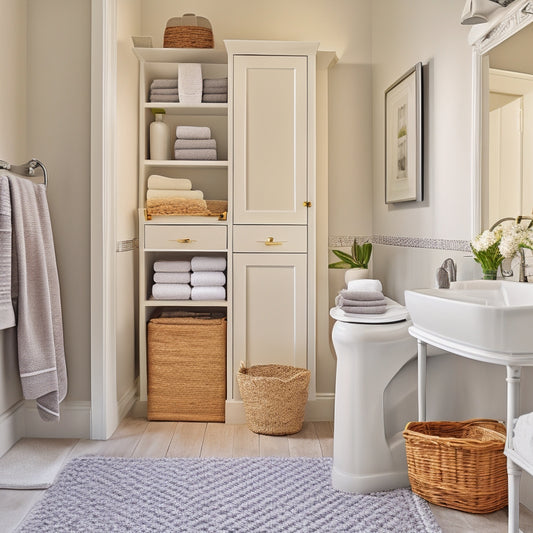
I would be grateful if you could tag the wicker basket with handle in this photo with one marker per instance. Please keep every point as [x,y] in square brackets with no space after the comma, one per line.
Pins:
[188,31]
[460,465]
[274,397]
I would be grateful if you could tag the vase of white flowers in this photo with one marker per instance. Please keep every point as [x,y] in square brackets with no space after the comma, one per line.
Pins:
[491,247]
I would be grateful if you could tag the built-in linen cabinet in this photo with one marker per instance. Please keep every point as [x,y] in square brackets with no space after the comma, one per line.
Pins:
[169,237]
[272,131]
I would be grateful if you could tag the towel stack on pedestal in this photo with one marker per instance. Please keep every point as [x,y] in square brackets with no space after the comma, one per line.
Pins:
[195,143]
[208,278]
[215,90]
[363,296]
[171,280]
[164,90]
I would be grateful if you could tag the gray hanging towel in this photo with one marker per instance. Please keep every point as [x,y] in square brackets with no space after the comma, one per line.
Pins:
[41,353]
[7,314]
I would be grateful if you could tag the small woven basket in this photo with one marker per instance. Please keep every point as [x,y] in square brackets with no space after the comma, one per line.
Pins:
[274,397]
[460,465]
[188,31]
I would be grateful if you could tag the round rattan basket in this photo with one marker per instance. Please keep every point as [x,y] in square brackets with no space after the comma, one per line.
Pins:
[274,397]
[188,31]
[460,465]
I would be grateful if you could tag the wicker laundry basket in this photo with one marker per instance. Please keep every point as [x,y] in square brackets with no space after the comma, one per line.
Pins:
[274,397]
[460,465]
[188,31]
[187,369]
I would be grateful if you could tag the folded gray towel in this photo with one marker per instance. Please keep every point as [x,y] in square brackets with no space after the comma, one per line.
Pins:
[214,98]
[164,98]
[344,302]
[193,132]
[192,154]
[374,310]
[215,82]
[215,90]
[186,144]
[165,91]
[361,295]
[164,83]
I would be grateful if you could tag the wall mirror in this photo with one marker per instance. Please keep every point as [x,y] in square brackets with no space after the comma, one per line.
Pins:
[503,119]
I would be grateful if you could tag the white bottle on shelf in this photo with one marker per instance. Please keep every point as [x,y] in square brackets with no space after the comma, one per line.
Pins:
[159,138]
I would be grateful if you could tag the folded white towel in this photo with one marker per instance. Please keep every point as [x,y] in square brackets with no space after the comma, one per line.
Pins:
[172,266]
[173,91]
[171,291]
[164,98]
[155,181]
[193,132]
[208,293]
[206,263]
[214,98]
[365,285]
[7,313]
[206,279]
[190,83]
[172,277]
[154,194]
[523,437]
[215,82]
[361,295]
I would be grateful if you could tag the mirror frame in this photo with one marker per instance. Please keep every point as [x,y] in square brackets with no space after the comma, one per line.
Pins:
[483,39]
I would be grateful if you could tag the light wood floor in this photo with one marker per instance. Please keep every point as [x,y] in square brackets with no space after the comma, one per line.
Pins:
[137,437]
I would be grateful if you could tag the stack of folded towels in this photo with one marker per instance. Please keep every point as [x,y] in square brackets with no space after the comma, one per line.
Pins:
[195,143]
[163,187]
[215,90]
[363,296]
[164,90]
[172,280]
[208,279]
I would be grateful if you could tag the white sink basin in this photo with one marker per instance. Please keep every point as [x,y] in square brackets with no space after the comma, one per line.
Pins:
[493,316]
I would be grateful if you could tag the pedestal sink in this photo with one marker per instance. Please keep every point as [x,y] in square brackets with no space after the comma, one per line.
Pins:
[489,321]
[490,318]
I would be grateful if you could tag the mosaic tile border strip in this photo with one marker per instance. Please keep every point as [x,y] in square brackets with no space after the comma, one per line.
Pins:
[407,242]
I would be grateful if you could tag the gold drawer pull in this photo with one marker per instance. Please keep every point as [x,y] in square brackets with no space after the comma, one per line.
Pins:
[271,242]
[184,241]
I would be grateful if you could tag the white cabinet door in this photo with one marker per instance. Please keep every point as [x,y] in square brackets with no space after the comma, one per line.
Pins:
[270,309]
[270,139]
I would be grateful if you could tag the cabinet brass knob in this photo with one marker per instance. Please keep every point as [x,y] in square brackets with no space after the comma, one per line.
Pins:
[184,241]
[271,242]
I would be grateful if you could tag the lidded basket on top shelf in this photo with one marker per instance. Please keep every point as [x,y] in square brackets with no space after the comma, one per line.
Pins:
[188,31]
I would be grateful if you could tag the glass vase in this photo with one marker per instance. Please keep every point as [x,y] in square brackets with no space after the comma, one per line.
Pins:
[490,273]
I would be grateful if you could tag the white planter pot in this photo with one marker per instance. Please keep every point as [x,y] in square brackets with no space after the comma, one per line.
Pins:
[355,273]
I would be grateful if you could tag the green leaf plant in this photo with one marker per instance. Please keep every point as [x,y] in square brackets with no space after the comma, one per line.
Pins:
[359,258]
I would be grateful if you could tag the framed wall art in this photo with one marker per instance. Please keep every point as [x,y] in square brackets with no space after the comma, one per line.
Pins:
[403,138]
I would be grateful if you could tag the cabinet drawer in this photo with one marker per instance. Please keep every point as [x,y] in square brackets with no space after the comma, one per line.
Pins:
[272,239]
[173,237]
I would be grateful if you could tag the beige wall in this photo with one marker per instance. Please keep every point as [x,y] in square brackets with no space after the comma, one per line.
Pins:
[13,148]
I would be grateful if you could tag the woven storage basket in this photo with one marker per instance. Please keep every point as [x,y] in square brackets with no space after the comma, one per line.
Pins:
[187,369]
[188,31]
[274,397]
[460,465]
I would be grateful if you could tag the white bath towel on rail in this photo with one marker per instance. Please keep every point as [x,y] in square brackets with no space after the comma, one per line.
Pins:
[41,354]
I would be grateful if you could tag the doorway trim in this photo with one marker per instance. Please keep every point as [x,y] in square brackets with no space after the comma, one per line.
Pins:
[104,408]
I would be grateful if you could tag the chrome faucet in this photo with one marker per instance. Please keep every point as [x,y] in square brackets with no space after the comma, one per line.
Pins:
[522,272]
[446,273]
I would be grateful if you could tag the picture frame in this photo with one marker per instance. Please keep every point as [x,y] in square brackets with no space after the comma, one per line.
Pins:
[403,138]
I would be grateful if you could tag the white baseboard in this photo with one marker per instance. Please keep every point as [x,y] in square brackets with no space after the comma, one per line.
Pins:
[11,426]
[322,408]
[75,421]
[126,402]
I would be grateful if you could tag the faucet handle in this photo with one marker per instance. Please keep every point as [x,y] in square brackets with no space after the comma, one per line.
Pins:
[451,268]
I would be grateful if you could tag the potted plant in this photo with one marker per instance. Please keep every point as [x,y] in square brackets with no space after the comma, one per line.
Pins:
[356,264]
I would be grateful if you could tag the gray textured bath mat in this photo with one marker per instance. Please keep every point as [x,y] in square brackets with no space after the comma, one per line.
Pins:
[218,495]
